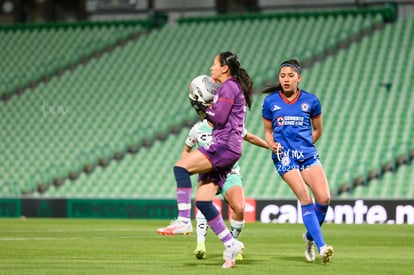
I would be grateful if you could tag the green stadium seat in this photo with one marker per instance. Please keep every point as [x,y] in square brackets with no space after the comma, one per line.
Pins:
[133,93]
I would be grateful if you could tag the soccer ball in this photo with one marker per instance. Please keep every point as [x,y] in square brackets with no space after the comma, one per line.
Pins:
[202,89]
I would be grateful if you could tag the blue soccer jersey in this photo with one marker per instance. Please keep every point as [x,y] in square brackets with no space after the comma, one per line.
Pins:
[291,121]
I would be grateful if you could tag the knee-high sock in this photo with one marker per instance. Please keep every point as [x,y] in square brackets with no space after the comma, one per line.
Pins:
[202,227]
[215,221]
[320,211]
[183,192]
[311,222]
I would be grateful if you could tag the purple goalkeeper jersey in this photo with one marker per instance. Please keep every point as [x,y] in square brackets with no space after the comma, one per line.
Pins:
[228,114]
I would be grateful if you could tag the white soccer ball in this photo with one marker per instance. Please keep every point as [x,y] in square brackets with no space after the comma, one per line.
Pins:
[203,89]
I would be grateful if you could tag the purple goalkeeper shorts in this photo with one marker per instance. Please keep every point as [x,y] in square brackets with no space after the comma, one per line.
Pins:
[222,160]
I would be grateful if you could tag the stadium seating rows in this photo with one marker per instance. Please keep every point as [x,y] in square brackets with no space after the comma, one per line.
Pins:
[126,97]
[29,54]
[391,186]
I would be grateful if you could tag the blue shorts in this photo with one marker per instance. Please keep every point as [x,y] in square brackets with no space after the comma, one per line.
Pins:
[286,163]
[222,160]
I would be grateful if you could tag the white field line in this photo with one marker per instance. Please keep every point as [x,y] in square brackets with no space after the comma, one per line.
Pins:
[67,238]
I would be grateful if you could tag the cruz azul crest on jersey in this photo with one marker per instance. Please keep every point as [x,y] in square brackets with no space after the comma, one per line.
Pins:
[305,107]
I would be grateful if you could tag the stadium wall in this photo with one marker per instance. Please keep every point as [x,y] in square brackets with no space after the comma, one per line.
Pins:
[265,211]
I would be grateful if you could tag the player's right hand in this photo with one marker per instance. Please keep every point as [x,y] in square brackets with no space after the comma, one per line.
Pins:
[276,148]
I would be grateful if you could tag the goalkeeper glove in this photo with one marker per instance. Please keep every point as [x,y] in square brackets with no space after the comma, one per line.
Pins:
[199,107]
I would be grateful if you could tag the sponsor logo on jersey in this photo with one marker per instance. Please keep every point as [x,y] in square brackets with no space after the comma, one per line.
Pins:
[290,120]
[203,138]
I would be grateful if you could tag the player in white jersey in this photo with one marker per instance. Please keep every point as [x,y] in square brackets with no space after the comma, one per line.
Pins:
[232,191]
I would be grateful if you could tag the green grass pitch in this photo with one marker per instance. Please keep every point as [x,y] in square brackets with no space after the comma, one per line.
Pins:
[97,246]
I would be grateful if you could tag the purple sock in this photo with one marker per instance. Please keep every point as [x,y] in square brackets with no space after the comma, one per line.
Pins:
[215,221]
[183,192]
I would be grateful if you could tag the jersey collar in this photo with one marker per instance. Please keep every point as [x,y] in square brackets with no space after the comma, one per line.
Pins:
[284,98]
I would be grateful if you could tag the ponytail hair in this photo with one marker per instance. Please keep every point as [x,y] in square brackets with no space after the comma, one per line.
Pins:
[294,63]
[271,88]
[232,61]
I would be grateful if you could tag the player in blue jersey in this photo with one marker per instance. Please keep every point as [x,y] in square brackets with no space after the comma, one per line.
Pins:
[292,121]
[232,191]
[213,162]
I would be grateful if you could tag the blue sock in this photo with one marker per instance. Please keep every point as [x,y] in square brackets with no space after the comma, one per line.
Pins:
[183,192]
[215,221]
[311,222]
[182,177]
[208,209]
[320,211]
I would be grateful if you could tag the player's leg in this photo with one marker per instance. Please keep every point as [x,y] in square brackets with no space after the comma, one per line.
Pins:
[201,229]
[315,178]
[233,194]
[298,186]
[204,202]
[194,163]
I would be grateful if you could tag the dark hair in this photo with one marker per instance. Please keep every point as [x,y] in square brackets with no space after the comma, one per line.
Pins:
[232,61]
[294,63]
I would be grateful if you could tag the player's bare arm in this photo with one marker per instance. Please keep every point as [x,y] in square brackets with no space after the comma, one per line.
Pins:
[268,127]
[256,140]
[316,128]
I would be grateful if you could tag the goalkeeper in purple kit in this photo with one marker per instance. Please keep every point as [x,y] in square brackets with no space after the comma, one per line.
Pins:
[213,162]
